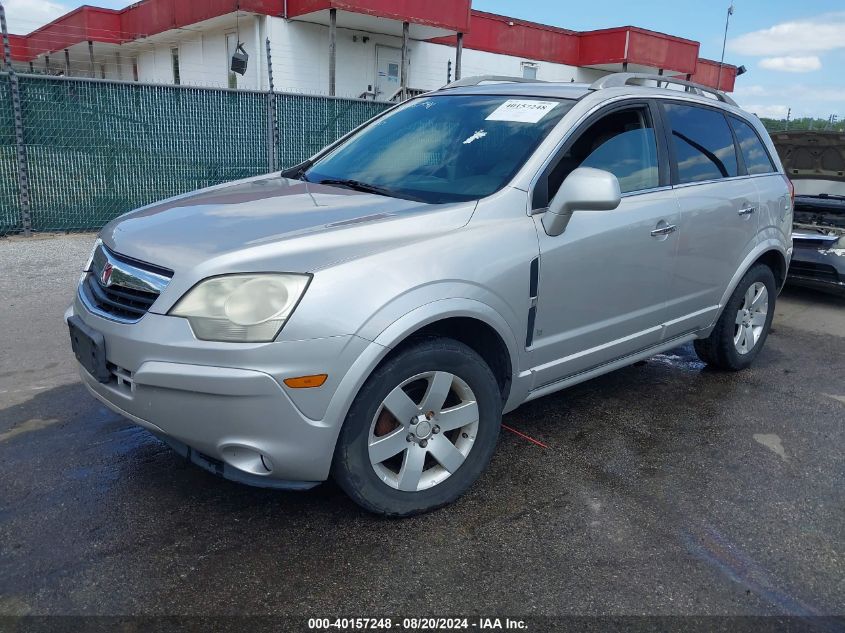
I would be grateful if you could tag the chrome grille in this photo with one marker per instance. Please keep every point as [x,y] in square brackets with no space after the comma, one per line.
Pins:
[121,288]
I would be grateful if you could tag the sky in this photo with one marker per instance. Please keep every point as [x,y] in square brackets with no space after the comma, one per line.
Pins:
[794,50]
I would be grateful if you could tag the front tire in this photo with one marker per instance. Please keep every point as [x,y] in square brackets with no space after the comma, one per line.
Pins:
[744,325]
[421,430]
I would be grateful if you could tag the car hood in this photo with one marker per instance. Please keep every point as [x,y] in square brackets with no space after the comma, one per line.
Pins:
[266,215]
[812,155]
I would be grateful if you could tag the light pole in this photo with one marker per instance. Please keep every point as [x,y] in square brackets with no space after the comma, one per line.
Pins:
[724,42]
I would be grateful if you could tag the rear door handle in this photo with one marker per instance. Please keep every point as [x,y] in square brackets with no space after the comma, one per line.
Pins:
[746,211]
[664,230]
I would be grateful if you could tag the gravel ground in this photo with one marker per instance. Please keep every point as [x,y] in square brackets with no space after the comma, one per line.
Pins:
[665,488]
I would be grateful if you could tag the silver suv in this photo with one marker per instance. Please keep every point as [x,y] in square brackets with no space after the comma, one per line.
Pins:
[371,313]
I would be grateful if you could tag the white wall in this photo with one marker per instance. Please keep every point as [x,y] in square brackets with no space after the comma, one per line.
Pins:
[430,63]
[300,53]
[203,58]
[301,60]
[301,57]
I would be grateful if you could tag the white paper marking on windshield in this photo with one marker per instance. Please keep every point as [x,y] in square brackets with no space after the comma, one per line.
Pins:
[522,110]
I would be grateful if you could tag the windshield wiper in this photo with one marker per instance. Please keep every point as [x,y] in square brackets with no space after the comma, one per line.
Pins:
[357,185]
[297,172]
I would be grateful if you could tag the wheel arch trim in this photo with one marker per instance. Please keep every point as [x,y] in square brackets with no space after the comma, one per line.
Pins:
[459,307]
[770,245]
[406,326]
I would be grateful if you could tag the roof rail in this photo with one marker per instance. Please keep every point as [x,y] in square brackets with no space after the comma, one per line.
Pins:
[480,79]
[618,80]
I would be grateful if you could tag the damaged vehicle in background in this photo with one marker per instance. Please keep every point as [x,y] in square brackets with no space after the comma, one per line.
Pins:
[815,161]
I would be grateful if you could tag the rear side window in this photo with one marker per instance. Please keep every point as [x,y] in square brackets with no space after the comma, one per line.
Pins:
[754,153]
[703,143]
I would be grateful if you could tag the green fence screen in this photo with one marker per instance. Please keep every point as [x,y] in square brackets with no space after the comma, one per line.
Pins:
[97,149]
[9,200]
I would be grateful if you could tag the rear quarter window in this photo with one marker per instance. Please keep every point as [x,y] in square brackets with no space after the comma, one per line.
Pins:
[757,159]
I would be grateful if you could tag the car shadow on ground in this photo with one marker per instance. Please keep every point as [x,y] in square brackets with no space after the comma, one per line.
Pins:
[94,453]
[650,467]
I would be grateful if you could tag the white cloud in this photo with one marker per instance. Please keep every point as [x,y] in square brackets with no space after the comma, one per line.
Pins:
[821,33]
[768,111]
[793,64]
[24,16]
[804,99]
[825,94]
[780,93]
[752,90]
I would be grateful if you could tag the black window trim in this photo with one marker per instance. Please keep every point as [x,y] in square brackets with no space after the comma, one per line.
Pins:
[741,168]
[539,191]
[673,159]
[739,155]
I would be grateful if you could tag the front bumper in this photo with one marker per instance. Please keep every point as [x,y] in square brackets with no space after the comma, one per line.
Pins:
[224,405]
[818,268]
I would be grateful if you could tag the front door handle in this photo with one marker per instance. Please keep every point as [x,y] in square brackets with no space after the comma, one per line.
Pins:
[664,230]
[746,211]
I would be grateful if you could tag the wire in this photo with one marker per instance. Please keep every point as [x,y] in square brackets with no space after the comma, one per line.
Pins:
[524,436]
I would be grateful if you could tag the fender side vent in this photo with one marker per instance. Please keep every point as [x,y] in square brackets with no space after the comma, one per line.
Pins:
[533,285]
[529,337]
[534,280]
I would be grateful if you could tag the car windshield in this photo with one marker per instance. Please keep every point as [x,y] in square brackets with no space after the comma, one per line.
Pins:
[445,148]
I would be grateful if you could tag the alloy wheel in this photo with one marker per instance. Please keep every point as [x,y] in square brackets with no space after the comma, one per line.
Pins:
[423,431]
[751,317]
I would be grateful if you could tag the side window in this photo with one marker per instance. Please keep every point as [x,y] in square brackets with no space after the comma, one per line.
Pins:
[704,145]
[754,153]
[622,143]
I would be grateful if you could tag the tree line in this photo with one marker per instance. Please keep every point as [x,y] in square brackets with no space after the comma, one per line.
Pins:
[804,124]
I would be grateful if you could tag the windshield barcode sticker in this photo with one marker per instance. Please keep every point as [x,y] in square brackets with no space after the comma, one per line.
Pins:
[522,110]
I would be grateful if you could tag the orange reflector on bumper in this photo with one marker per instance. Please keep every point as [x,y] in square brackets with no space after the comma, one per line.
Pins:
[305,382]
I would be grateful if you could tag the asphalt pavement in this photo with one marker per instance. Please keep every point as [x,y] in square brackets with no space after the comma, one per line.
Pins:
[662,488]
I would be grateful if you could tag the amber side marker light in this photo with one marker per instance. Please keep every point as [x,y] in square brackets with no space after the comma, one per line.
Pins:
[306,382]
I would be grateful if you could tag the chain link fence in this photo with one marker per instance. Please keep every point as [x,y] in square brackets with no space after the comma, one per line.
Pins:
[307,124]
[10,214]
[96,149]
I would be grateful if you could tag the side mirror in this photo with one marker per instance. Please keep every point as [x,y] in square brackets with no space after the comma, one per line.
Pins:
[585,189]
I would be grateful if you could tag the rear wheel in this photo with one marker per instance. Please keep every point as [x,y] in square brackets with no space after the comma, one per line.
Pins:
[421,431]
[742,329]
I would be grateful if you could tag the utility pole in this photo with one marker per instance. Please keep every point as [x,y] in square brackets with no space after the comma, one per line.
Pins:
[332,50]
[788,114]
[724,43]
[22,163]
[91,59]
[403,71]
[459,50]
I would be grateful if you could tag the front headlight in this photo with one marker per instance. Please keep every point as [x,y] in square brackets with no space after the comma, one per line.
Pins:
[243,308]
[87,268]
[90,259]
